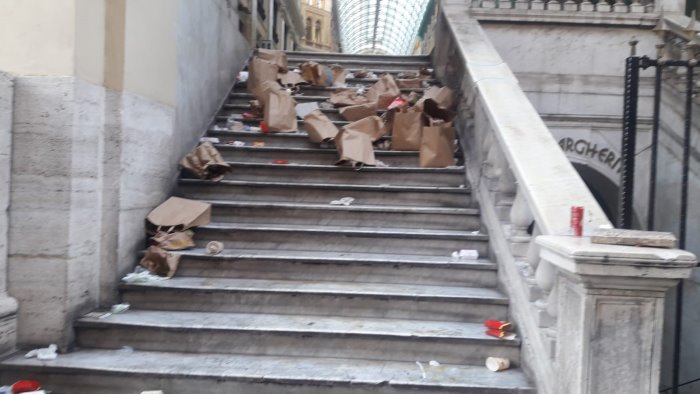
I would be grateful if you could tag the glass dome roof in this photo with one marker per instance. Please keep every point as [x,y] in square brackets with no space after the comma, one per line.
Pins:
[379,26]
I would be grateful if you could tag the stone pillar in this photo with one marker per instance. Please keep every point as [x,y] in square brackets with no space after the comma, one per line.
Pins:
[8,305]
[611,301]
[253,33]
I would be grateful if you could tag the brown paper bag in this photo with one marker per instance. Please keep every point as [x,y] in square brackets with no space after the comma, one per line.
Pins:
[444,97]
[437,147]
[256,108]
[276,57]
[385,85]
[177,240]
[316,74]
[259,71]
[354,148]
[206,162]
[373,126]
[319,127]
[178,214]
[261,91]
[338,75]
[406,131]
[385,99]
[280,113]
[361,73]
[357,112]
[347,97]
[413,83]
[160,262]
[435,115]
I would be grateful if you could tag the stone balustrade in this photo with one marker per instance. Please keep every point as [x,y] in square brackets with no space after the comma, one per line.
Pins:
[567,295]
[615,6]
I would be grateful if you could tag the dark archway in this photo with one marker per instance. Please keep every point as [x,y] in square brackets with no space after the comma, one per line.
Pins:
[605,191]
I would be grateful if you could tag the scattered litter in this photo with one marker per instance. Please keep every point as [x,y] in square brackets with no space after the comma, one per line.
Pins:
[325,105]
[434,363]
[465,254]
[235,125]
[462,186]
[153,392]
[248,115]
[141,277]
[380,163]
[371,75]
[281,161]
[219,128]
[304,109]
[236,143]
[25,386]
[502,334]
[5,390]
[253,129]
[233,117]
[243,76]
[496,364]
[258,144]
[422,370]
[215,247]
[212,140]
[116,309]
[46,353]
[343,201]
[477,232]
[498,325]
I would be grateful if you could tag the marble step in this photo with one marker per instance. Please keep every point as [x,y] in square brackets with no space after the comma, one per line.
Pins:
[293,335]
[410,196]
[242,107]
[307,93]
[97,371]
[341,238]
[222,117]
[463,219]
[367,82]
[332,174]
[271,140]
[319,298]
[304,155]
[337,267]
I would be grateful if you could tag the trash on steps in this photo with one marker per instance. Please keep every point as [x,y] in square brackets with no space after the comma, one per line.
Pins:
[352,113]
[25,386]
[361,73]
[407,131]
[316,74]
[46,353]
[178,214]
[115,310]
[434,363]
[237,144]
[347,97]
[304,109]
[354,148]
[153,392]
[160,262]
[212,140]
[176,240]
[141,276]
[326,105]
[206,162]
[386,85]
[258,144]
[465,254]
[371,126]
[242,76]
[497,364]
[215,247]
[437,146]
[319,127]
[498,325]
[422,370]
[502,334]
[280,161]
[343,201]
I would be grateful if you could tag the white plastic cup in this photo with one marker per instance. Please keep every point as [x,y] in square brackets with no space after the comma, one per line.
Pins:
[496,364]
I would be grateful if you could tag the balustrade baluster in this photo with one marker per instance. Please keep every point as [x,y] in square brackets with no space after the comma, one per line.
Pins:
[603,6]
[553,5]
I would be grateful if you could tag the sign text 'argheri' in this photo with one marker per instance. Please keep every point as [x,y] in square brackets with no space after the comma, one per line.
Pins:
[589,150]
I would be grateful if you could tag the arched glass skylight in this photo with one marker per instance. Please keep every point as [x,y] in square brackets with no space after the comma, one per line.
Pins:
[379,26]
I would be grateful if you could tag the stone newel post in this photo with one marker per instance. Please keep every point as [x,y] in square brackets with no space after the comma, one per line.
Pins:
[610,319]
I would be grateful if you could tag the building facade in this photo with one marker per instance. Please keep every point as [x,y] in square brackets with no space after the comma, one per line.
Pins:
[318,29]
[275,24]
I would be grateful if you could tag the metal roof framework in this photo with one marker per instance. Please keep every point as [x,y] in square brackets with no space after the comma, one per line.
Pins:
[379,26]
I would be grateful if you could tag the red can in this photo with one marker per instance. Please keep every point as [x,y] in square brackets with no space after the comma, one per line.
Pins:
[577,221]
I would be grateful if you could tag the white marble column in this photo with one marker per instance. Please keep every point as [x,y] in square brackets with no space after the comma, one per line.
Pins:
[610,319]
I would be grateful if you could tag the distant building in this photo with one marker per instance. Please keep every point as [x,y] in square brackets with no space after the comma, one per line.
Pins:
[274,24]
[318,31]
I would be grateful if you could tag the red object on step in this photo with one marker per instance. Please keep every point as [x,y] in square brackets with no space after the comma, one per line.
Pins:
[281,161]
[501,334]
[247,115]
[263,127]
[577,221]
[24,386]
[498,325]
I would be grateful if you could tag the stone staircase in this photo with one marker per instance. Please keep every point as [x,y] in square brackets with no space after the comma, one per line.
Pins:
[308,297]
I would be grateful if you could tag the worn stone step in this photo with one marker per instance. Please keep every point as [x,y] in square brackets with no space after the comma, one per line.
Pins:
[293,335]
[242,107]
[340,215]
[306,93]
[271,140]
[350,82]
[223,117]
[332,174]
[341,238]
[303,155]
[426,196]
[321,298]
[95,371]
[337,267]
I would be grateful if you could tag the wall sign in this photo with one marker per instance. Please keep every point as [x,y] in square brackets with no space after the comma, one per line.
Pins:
[588,150]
